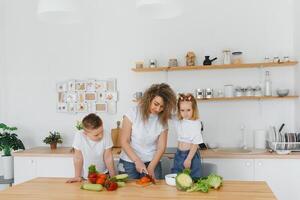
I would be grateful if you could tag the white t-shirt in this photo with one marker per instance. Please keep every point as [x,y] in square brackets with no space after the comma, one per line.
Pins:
[188,131]
[92,151]
[144,135]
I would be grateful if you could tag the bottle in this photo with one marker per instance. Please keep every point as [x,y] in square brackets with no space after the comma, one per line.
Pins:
[268,84]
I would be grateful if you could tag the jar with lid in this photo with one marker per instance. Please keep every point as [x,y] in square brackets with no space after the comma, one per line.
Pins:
[226,57]
[238,91]
[257,91]
[249,91]
[237,57]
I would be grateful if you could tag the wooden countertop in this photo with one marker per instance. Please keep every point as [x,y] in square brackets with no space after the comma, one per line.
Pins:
[56,188]
[66,152]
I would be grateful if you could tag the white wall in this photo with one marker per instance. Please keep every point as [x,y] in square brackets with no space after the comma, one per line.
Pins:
[113,37]
[297,55]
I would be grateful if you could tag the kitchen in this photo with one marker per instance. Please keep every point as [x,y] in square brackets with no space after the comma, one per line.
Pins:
[113,36]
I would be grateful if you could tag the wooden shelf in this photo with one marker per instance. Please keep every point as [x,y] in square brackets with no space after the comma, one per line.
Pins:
[247,98]
[214,67]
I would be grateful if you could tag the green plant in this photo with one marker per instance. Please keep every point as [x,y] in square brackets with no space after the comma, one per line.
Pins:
[79,125]
[9,140]
[54,137]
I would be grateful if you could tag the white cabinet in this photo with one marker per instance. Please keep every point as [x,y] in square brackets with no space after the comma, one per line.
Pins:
[233,169]
[24,169]
[27,168]
[282,176]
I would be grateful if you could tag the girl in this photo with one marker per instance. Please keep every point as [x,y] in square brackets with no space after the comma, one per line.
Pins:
[144,132]
[188,129]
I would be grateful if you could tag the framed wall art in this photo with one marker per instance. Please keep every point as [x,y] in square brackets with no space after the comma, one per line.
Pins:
[92,95]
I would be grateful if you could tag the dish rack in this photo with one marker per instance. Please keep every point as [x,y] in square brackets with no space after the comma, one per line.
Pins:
[293,146]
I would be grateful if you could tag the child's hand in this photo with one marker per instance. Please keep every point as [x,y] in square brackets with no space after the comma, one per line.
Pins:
[187,163]
[75,179]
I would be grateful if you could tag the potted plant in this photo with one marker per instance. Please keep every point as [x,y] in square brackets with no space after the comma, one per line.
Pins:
[53,139]
[79,125]
[9,141]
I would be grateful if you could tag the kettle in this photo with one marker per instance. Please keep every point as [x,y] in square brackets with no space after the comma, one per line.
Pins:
[208,61]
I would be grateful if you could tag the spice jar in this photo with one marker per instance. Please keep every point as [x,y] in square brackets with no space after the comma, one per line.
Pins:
[237,57]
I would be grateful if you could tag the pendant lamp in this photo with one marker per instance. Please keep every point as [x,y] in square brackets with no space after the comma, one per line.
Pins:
[59,11]
[160,9]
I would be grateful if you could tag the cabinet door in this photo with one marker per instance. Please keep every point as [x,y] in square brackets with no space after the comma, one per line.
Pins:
[282,176]
[55,167]
[233,169]
[24,169]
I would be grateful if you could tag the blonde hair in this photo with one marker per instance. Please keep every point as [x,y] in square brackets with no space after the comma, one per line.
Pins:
[188,98]
[164,91]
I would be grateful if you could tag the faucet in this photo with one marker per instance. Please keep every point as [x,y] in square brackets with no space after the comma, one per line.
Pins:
[244,138]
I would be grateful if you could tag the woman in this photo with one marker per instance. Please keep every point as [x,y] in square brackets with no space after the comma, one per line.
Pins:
[144,132]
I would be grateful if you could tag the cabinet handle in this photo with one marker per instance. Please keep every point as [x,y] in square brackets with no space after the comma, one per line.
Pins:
[259,163]
[248,164]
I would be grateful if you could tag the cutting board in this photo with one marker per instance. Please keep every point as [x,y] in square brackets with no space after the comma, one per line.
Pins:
[115,133]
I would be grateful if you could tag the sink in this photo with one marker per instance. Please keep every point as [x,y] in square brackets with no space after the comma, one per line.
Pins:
[239,150]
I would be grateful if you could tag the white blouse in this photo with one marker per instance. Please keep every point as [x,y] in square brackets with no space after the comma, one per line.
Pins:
[188,131]
[144,135]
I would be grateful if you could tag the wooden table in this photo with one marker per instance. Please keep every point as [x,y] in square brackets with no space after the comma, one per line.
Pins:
[56,188]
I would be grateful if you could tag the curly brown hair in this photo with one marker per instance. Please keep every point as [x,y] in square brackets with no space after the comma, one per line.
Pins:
[188,97]
[164,91]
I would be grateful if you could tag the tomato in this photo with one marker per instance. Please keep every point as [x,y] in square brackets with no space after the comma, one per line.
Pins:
[101,180]
[145,179]
[102,176]
[92,177]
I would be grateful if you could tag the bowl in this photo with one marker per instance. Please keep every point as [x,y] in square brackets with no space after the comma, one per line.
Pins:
[282,92]
[283,152]
[171,179]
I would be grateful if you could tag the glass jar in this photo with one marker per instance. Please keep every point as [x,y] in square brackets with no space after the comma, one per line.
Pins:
[237,57]
[249,91]
[238,92]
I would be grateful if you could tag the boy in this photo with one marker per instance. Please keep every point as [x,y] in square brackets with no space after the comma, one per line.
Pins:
[92,146]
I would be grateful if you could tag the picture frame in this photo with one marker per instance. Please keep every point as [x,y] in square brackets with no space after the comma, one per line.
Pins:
[112,85]
[80,97]
[100,85]
[71,97]
[62,107]
[112,107]
[90,86]
[61,87]
[61,97]
[81,107]
[80,85]
[90,96]
[101,107]
[71,86]
[71,107]
[111,96]
[101,96]
[91,106]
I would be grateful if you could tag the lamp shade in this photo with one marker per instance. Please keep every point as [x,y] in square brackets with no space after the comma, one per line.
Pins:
[59,11]
[160,9]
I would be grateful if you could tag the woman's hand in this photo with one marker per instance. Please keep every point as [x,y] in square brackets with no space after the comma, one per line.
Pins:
[151,170]
[140,167]
[75,179]
[187,163]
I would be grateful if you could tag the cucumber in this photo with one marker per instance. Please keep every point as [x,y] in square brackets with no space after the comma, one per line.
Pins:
[92,187]
[121,184]
[120,178]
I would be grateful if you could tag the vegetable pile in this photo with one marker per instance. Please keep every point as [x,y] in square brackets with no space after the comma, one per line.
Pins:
[184,182]
[98,181]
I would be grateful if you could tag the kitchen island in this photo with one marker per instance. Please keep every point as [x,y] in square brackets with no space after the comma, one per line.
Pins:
[56,188]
